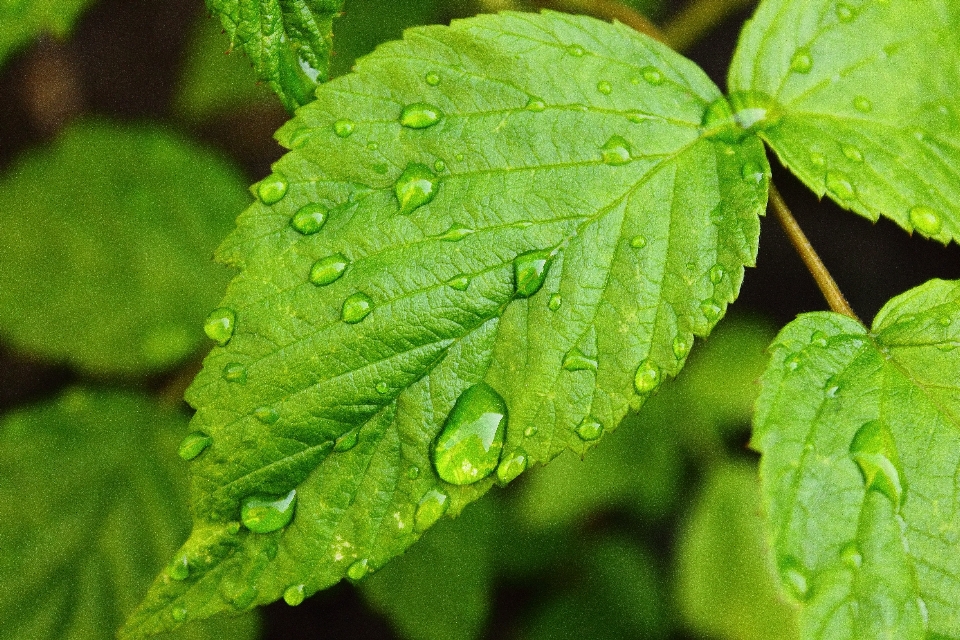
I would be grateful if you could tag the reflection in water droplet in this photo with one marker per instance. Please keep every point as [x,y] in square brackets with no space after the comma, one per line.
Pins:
[852,153]
[420,115]
[179,569]
[219,325]
[555,301]
[530,271]
[344,128]
[439,166]
[801,62]
[193,445]
[752,172]
[179,614]
[267,415]
[794,576]
[850,555]
[874,451]
[328,270]
[455,233]
[716,274]
[468,447]
[711,310]
[839,185]
[536,105]
[358,569]
[575,360]
[529,432]
[235,372]
[647,378]
[415,187]
[431,508]
[272,189]
[576,50]
[819,338]
[460,283]
[511,466]
[294,594]
[264,514]
[356,307]
[347,441]
[638,242]
[589,429]
[681,347]
[653,75]
[616,151]
[817,160]
[432,79]
[413,472]
[926,220]
[309,219]
[862,104]
[382,388]
[604,87]
[845,12]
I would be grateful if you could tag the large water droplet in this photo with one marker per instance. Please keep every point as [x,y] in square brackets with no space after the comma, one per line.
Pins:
[235,372]
[358,569]
[819,338]
[328,270]
[294,594]
[219,325]
[309,219]
[794,576]
[529,271]
[575,360]
[862,104]
[926,220]
[652,75]
[432,79]
[875,452]
[511,466]
[604,87]
[647,378]
[555,301]
[616,151]
[716,274]
[469,446]
[193,445]
[267,415]
[347,441]
[272,189]
[344,128]
[263,514]
[415,187]
[356,307]
[431,508]
[801,62]
[718,120]
[589,429]
[839,185]
[420,115]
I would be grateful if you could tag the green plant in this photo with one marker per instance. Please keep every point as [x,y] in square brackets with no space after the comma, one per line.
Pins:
[489,244]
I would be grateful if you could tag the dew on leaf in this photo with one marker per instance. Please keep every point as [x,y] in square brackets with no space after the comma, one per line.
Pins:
[555,301]
[845,12]
[862,104]
[604,87]
[455,233]
[616,151]
[219,325]
[530,271]
[179,569]
[638,242]
[347,441]
[356,307]
[382,388]
[681,347]
[431,508]
[272,189]
[793,361]
[309,219]
[344,128]
[874,451]
[432,79]
[839,185]
[415,187]
[329,269]
[817,159]
[589,429]
[529,432]
[372,146]
[647,377]
[235,372]
[439,166]
[716,274]
[468,447]
[801,62]
[264,514]
[535,104]
[795,577]
[576,50]
[193,445]
[575,360]
[267,415]
[460,283]
[358,569]
[652,75]
[420,115]
[852,153]
[637,116]
[711,310]
[413,472]
[926,220]
[179,614]
[850,555]
[752,172]
[294,594]
[511,466]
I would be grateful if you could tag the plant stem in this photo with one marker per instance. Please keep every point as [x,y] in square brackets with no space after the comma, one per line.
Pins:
[828,287]
[697,19]
[607,10]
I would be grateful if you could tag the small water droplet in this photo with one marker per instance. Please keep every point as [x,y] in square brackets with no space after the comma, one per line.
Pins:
[468,447]
[193,445]
[947,346]
[845,12]
[415,187]
[576,50]
[638,242]
[839,185]
[681,347]
[555,301]
[264,514]
[267,415]
[589,429]
[432,79]
[647,378]
[356,307]
[300,137]
[794,577]
[455,233]
[529,432]
[439,166]
[460,283]
[413,472]
[637,116]
[179,569]
[372,146]
[793,361]
[944,321]
[817,160]
[272,189]
[862,104]
[616,151]
[604,87]
[358,569]
[926,220]
[536,105]
[874,451]
[852,153]
[347,441]
[420,115]
[328,270]
[179,614]
[819,339]
[431,508]
[294,594]
[752,172]
[382,388]
[716,274]
[219,325]
[233,528]
[511,466]
[575,360]
[652,75]
[309,219]
[711,310]
[344,128]
[850,555]
[801,62]
[235,372]
[530,271]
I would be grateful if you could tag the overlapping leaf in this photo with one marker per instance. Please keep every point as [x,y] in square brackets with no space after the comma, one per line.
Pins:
[861,447]
[859,100]
[23,20]
[526,133]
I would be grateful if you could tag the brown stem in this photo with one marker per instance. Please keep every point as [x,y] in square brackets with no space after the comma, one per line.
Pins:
[824,280]
[606,10]
[697,19]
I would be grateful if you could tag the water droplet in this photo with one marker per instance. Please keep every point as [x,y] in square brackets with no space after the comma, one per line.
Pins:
[193,445]
[432,79]
[947,346]
[415,187]
[711,310]
[219,325]
[555,301]
[468,448]
[752,172]
[328,270]
[652,75]
[536,105]
[716,274]
[430,509]
[944,321]
[839,185]
[235,372]
[637,116]
[455,233]
[529,432]
[511,466]
[604,87]
[343,128]
[272,189]
[382,388]
[875,452]
[179,614]
[576,50]
[530,271]
[356,307]
[420,115]
[850,555]
[347,441]
[460,283]
[817,160]
[300,137]
[439,166]
[681,347]
[801,62]
[794,577]
[793,361]
[459,157]
[358,569]
[819,338]
[413,472]
[845,12]
[309,219]
[616,151]
[575,360]
[294,594]
[862,104]
[267,415]
[852,153]
[589,429]
[179,569]
[372,146]
[638,242]
[263,514]
[647,378]
[926,220]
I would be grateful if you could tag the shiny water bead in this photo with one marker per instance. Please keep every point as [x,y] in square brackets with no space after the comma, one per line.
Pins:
[604,87]
[862,104]
[455,233]
[845,12]
[818,160]
[555,301]
[575,360]
[460,283]
[616,151]
[382,388]
[752,172]
[264,514]
[179,569]
[468,447]
[430,509]
[329,269]
[356,307]
[839,185]
[413,472]
[535,104]
[926,220]
[219,325]
[420,115]
[647,377]
[344,128]
[266,415]
[711,310]
[193,445]
[235,372]
[358,569]
[272,189]
[530,431]
[589,429]
[309,219]
[576,50]
[819,338]
[852,153]
[874,451]
[681,347]
[530,271]
[850,555]
[653,76]
[638,242]
[179,614]
[511,466]
[801,62]
[347,441]
[432,79]
[795,577]
[716,274]
[439,166]
[294,594]
[415,187]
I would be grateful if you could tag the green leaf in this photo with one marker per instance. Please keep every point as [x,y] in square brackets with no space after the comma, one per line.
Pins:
[91,505]
[105,255]
[726,587]
[23,20]
[858,99]
[860,442]
[288,41]
[527,250]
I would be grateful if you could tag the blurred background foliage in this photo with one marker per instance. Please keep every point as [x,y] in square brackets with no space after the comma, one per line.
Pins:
[127,138]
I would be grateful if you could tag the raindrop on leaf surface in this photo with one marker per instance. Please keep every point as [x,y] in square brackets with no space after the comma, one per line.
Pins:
[294,594]
[530,271]
[420,115]
[589,429]
[266,415]
[647,377]
[430,509]
[309,219]
[616,151]
[264,514]
[358,569]
[926,220]
[874,451]
[193,445]
[329,269]
[356,307]
[468,447]
[415,187]
[219,325]
[235,372]
[344,128]
[511,466]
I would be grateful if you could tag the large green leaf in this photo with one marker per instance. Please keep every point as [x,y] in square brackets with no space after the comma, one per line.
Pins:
[860,434]
[288,41]
[105,251]
[23,20]
[92,503]
[576,229]
[859,100]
